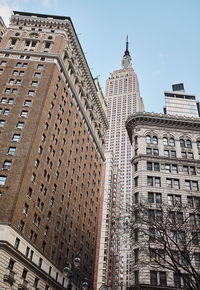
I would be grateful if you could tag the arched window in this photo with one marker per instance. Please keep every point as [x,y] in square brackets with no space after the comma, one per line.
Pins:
[188,143]
[154,140]
[171,142]
[198,144]
[148,139]
[182,143]
[165,141]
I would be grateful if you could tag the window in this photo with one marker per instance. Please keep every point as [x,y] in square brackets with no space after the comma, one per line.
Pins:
[34,83]
[20,125]
[37,75]
[17,242]
[24,114]
[33,178]
[25,209]
[2,122]
[168,142]
[153,166]
[136,277]
[36,282]
[136,196]
[170,153]
[11,150]
[154,197]
[3,63]
[8,90]
[174,200]
[31,93]
[24,273]
[47,44]
[18,82]
[197,259]
[177,280]
[40,262]
[46,231]
[198,145]
[171,142]
[6,112]
[16,137]
[21,73]
[151,140]
[172,183]
[193,201]
[192,170]
[153,181]
[136,181]
[10,101]
[136,255]
[40,66]
[29,192]
[192,219]
[154,215]
[11,81]
[3,100]
[190,155]
[7,164]
[163,278]
[195,238]
[27,103]
[188,143]
[186,281]
[136,235]
[191,185]
[37,162]
[11,264]
[21,225]
[185,143]
[153,278]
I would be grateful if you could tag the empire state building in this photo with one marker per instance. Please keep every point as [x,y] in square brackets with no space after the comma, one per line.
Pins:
[123,99]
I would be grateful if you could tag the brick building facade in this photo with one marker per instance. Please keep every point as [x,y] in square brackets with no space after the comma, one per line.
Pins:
[53,124]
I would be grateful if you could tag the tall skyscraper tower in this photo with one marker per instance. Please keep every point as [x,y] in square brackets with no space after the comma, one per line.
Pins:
[123,99]
[52,131]
[180,103]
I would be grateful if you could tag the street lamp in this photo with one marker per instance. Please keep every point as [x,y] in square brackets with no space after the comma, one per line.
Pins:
[86,284]
[104,287]
[69,269]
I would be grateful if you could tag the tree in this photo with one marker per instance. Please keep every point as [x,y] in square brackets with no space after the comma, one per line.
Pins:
[170,240]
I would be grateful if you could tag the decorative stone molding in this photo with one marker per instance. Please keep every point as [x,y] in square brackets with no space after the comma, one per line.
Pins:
[161,120]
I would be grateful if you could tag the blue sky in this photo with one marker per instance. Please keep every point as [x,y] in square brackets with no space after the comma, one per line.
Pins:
[163,35]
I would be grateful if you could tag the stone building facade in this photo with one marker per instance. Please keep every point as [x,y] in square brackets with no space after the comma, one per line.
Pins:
[52,135]
[166,165]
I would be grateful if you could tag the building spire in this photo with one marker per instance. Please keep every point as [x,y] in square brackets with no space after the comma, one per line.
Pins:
[126,61]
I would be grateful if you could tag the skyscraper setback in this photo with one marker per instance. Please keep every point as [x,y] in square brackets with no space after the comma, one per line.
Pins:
[123,99]
[53,123]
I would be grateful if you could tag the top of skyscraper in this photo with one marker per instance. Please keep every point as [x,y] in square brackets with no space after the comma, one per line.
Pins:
[178,102]
[126,61]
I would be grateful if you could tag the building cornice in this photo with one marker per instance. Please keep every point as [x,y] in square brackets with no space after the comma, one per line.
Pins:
[67,27]
[163,159]
[72,88]
[161,120]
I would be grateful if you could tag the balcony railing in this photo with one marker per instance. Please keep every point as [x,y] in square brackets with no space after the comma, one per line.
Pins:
[9,277]
[23,285]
